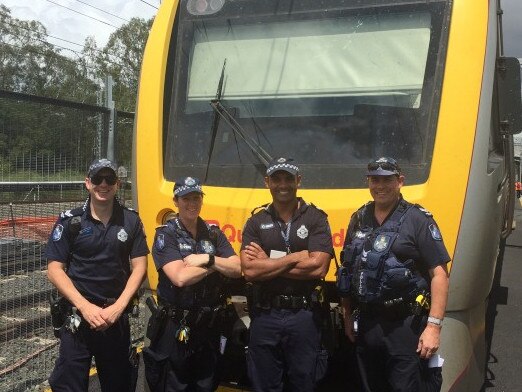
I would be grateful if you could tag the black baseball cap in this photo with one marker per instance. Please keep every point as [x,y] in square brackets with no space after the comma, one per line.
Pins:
[285,164]
[384,166]
[99,164]
[186,185]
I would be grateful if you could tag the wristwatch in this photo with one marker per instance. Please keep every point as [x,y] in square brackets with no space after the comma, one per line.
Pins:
[435,320]
[211,261]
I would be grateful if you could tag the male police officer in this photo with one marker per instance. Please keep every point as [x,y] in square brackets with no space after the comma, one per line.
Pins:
[286,251]
[392,250]
[89,255]
[192,259]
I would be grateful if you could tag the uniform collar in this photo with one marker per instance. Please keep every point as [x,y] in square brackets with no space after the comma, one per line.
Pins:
[117,210]
[201,226]
[303,206]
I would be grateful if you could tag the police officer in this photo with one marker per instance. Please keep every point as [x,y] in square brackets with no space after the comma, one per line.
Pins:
[286,251]
[397,260]
[192,259]
[97,259]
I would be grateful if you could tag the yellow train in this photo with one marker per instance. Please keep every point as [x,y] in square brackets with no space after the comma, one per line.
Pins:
[227,83]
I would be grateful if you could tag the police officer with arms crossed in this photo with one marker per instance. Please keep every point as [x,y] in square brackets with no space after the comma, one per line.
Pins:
[396,260]
[97,259]
[192,259]
[286,251]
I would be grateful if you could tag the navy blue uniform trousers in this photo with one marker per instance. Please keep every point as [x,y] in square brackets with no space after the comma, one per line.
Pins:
[284,347]
[387,357]
[110,349]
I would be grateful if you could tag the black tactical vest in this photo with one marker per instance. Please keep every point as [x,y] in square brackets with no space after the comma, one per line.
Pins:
[375,273]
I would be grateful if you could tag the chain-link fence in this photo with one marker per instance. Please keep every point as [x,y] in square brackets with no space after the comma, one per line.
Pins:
[45,148]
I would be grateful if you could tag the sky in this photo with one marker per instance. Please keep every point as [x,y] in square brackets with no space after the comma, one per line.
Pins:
[71,25]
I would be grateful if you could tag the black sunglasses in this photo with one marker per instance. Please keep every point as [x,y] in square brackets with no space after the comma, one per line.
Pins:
[388,165]
[109,179]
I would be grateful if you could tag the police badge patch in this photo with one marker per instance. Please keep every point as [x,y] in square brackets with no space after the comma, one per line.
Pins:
[207,247]
[160,241]
[435,232]
[122,235]
[302,232]
[57,232]
[381,242]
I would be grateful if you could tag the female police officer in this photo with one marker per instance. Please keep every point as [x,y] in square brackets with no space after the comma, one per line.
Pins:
[392,250]
[88,257]
[192,258]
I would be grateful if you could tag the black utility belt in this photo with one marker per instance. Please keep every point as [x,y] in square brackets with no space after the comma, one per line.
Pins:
[195,316]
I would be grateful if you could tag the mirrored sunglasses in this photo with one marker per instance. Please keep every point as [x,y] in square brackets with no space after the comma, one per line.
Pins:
[389,166]
[109,179]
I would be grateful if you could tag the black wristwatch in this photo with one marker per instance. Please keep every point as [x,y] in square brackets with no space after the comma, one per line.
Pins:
[211,261]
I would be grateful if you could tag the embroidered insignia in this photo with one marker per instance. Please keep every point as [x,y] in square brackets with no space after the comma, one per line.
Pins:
[189,181]
[207,247]
[122,235]
[160,241]
[266,226]
[66,214]
[359,234]
[435,232]
[85,231]
[381,243]
[281,160]
[185,247]
[302,232]
[57,232]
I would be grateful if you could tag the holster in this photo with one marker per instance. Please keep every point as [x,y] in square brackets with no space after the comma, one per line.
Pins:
[157,320]
[58,312]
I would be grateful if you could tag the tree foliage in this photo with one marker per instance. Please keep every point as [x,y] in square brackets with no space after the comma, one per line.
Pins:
[30,64]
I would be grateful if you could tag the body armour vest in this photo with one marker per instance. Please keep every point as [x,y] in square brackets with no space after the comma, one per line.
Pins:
[206,292]
[371,273]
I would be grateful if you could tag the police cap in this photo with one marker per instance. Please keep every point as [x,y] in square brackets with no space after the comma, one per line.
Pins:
[186,185]
[384,166]
[285,164]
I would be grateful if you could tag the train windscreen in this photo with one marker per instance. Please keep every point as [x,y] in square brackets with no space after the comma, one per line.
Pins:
[330,84]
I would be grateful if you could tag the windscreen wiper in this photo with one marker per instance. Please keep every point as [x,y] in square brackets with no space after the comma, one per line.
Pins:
[253,144]
[215,121]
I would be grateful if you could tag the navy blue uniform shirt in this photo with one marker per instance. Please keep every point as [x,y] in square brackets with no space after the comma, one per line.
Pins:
[309,230]
[419,237]
[100,255]
[172,243]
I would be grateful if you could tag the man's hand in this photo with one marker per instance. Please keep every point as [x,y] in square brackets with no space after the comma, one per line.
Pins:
[348,327]
[111,314]
[429,341]
[93,315]
[254,251]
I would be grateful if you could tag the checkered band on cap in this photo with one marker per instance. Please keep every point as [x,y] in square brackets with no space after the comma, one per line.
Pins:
[284,164]
[184,188]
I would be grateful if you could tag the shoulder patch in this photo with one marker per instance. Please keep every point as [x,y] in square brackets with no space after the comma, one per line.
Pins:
[57,232]
[130,209]
[160,241]
[435,232]
[423,210]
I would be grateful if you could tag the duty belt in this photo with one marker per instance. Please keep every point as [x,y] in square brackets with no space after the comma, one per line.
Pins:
[290,302]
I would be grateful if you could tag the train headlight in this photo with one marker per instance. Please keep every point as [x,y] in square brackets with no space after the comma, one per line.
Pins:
[168,216]
[204,7]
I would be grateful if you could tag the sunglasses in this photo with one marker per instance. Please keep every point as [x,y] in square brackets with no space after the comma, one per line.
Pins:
[109,179]
[388,166]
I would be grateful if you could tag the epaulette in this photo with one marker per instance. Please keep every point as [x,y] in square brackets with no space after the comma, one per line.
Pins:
[318,209]
[130,209]
[424,211]
[264,206]
[64,215]
[160,226]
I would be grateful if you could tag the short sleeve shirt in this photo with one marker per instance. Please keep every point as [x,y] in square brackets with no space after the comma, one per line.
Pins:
[308,230]
[98,256]
[173,242]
